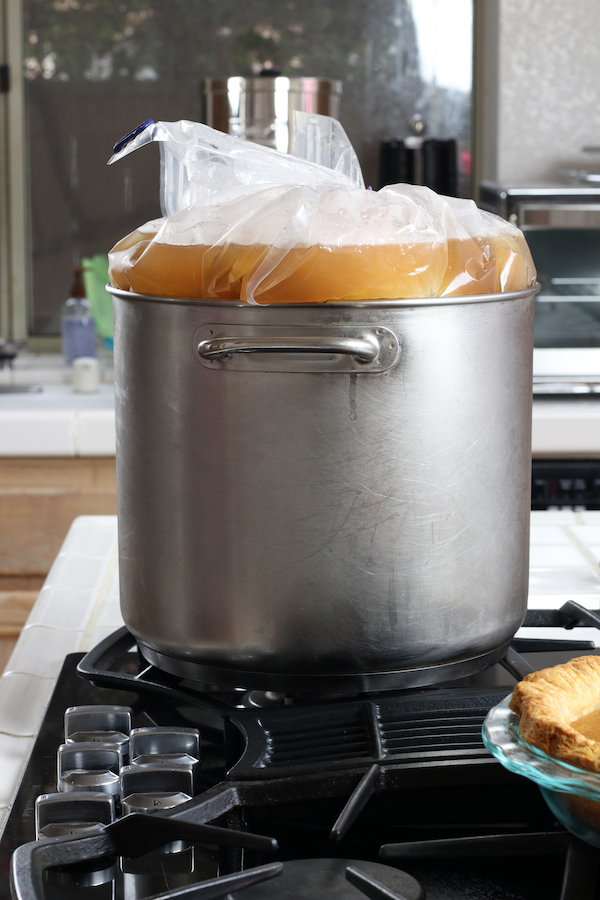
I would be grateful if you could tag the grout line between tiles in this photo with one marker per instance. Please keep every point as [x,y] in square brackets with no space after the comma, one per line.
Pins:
[99,602]
[76,433]
[583,549]
[62,587]
[21,737]
[59,629]
[17,782]
[8,671]
[80,555]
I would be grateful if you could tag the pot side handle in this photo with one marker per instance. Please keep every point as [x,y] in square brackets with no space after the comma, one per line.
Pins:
[338,348]
[363,350]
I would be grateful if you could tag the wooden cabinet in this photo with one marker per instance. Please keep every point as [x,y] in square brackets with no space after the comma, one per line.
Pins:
[39,498]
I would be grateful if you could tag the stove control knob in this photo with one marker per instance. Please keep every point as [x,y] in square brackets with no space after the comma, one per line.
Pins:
[60,814]
[104,724]
[149,788]
[165,746]
[89,767]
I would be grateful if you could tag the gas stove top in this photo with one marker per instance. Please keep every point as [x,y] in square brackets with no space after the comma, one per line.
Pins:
[296,795]
[387,795]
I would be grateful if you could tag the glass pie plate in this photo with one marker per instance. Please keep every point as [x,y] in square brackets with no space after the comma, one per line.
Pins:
[572,794]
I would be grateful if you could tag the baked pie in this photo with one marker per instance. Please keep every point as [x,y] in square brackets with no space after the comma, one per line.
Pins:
[560,711]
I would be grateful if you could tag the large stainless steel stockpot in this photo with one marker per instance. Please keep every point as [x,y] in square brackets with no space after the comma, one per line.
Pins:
[323,495]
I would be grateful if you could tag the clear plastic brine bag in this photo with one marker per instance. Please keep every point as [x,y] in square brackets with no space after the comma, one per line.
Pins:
[246,222]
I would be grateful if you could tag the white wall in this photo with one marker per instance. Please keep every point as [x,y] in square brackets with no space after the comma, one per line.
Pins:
[548,87]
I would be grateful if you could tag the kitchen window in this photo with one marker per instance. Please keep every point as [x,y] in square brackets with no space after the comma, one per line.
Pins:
[85,72]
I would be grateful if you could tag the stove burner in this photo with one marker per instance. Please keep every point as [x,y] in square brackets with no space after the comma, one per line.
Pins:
[262,699]
[334,879]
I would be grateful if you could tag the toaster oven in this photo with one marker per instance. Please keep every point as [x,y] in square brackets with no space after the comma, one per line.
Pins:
[562,227]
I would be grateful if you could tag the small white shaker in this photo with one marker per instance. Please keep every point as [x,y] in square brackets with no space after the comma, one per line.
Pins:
[86,375]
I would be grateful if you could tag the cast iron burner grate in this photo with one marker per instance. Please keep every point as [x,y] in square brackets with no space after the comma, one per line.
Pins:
[310,768]
[425,729]
[416,728]
[413,728]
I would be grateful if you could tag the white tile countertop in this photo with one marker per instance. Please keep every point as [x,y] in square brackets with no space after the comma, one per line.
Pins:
[56,421]
[79,605]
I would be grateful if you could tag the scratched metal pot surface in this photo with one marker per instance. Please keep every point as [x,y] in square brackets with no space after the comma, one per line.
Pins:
[323,489]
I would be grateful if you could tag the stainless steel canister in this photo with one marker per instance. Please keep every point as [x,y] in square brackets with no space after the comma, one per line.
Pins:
[260,109]
[324,494]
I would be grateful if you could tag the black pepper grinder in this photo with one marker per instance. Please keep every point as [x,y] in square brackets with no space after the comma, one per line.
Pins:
[418,159]
[414,144]
[401,161]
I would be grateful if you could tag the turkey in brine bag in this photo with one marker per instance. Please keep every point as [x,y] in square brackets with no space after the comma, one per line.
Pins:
[246,222]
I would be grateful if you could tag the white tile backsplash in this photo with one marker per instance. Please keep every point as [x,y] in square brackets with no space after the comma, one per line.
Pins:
[547,88]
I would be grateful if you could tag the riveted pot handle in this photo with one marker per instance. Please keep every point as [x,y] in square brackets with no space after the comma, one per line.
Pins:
[365,349]
[337,348]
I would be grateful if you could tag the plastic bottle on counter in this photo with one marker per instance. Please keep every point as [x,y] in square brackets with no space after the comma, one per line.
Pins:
[77,326]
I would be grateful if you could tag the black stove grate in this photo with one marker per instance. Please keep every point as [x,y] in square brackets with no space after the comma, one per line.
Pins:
[426,728]
[402,775]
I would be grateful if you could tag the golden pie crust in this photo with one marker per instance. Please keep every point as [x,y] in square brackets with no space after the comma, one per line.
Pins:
[550,701]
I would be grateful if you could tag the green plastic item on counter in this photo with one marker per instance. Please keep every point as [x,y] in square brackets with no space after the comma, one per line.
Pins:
[95,279]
